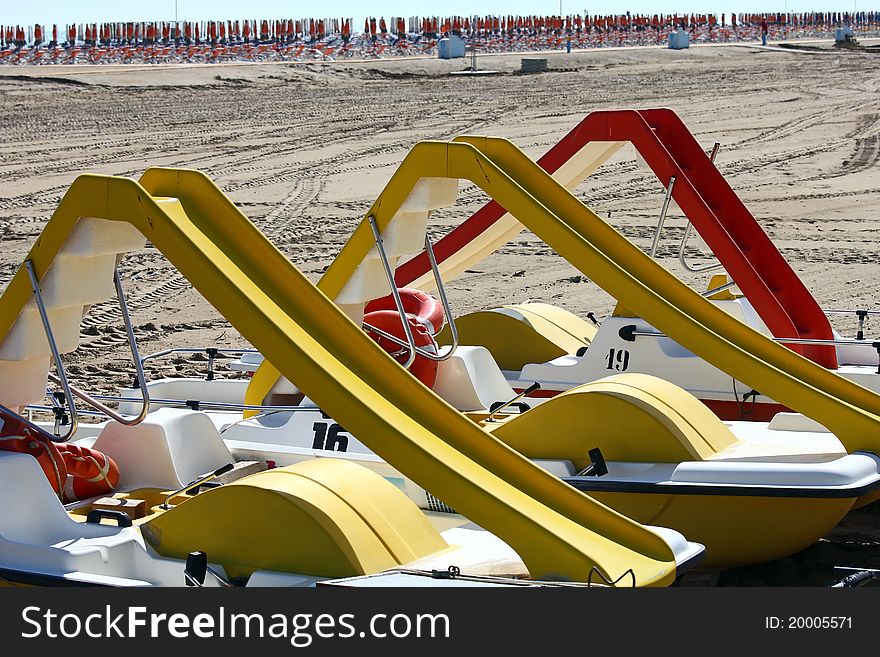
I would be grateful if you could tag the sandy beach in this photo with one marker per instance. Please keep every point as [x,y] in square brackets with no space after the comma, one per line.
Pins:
[305,148]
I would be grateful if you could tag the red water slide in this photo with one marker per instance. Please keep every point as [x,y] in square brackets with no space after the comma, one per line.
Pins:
[716,212]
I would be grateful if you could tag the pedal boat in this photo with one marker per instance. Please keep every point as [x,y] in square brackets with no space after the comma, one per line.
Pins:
[537,342]
[324,522]
[749,491]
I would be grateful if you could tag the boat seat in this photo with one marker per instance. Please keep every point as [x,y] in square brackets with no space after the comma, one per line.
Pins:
[38,536]
[630,417]
[470,380]
[169,449]
[38,517]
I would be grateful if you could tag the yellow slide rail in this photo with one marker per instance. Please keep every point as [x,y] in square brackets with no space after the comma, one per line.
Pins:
[556,530]
[582,164]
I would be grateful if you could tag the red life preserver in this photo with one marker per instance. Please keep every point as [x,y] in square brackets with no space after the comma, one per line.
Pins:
[422,305]
[74,472]
[90,473]
[424,369]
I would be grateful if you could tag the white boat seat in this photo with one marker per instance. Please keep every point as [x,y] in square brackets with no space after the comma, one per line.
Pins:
[37,535]
[169,449]
[470,380]
[37,516]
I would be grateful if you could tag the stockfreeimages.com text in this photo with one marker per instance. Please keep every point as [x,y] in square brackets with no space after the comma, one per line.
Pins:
[300,629]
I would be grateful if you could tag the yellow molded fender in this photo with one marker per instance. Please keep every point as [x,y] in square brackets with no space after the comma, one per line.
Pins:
[324,517]
[523,333]
[630,417]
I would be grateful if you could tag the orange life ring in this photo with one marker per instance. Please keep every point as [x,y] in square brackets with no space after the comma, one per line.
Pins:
[422,305]
[74,472]
[90,473]
[424,369]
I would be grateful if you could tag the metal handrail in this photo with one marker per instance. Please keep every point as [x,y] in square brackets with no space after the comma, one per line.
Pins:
[851,312]
[446,309]
[109,412]
[40,432]
[687,234]
[683,260]
[862,316]
[720,288]
[192,350]
[198,403]
[441,290]
[47,409]
[444,300]
[138,365]
[212,353]
[395,294]
[53,346]
[629,333]
[194,404]
[393,338]
[821,342]
[663,211]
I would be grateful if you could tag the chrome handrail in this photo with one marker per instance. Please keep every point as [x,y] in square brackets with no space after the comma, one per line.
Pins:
[663,211]
[818,341]
[395,294]
[720,288]
[683,260]
[138,364]
[53,346]
[446,309]
[851,312]
[862,315]
[441,290]
[687,234]
[429,249]
[193,404]
[109,412]
[212,353]
[629,333]
[44,408]
[194,350]
[393,338]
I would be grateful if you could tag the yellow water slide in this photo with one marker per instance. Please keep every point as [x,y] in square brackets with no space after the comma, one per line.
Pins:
[556,530]
[544,206]
[570,174]
[584,163]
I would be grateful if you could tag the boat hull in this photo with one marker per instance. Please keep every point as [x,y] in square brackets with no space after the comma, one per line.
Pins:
[737,530]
